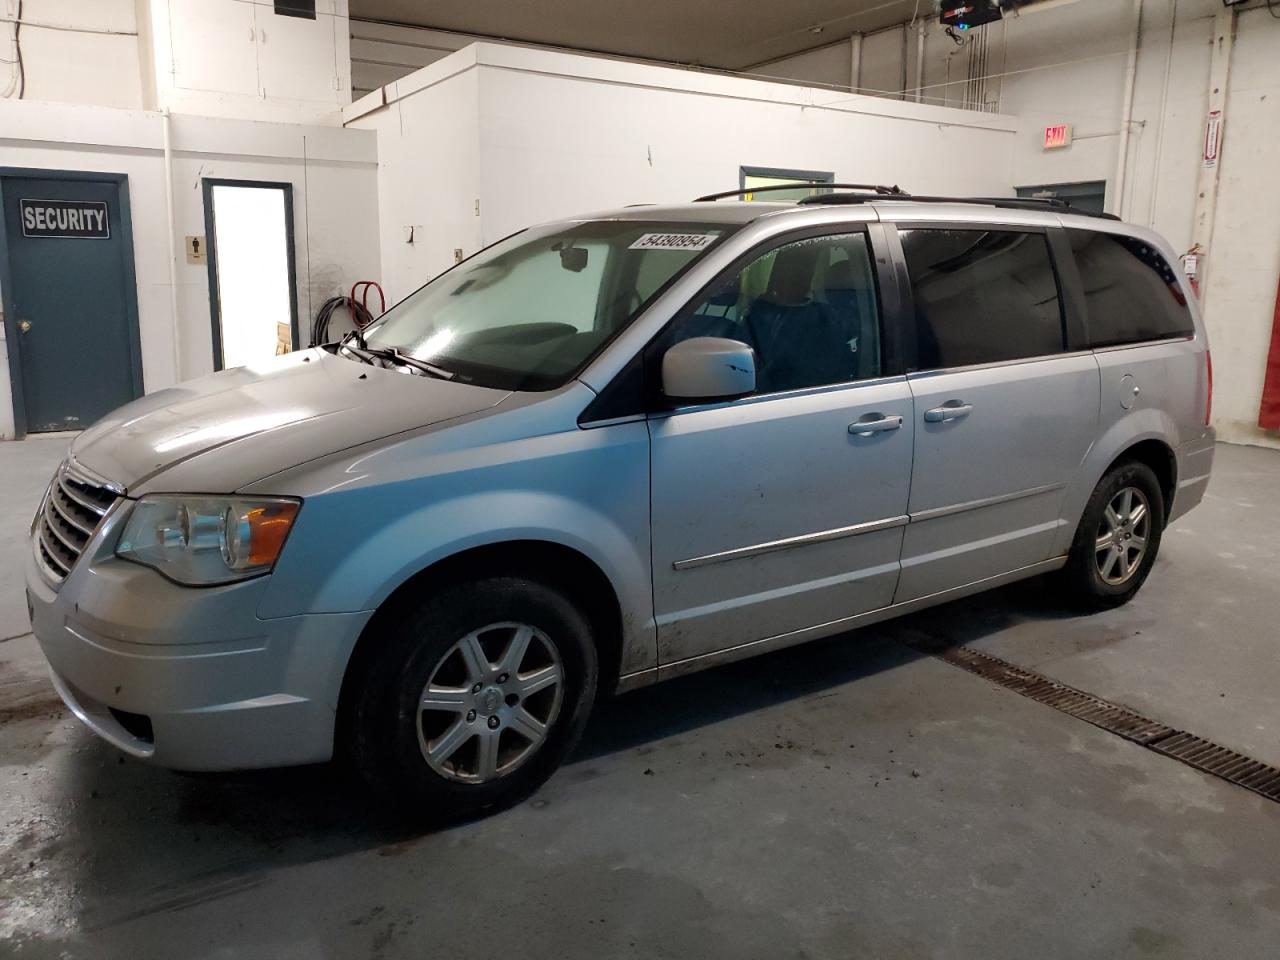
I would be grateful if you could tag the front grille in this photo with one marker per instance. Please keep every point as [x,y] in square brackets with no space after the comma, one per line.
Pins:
[73,510]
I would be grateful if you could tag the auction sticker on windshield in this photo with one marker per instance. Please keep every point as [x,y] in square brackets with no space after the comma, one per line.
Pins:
[674,241]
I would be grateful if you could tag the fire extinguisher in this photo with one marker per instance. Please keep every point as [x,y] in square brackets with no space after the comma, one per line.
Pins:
[1192,261]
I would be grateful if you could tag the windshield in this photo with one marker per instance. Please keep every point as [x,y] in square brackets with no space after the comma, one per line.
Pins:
[530,311]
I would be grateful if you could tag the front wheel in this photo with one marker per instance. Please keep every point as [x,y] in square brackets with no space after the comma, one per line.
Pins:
[471,699]
[1119,535]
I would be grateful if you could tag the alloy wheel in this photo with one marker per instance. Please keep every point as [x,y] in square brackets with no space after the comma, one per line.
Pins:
[490,702]
[1122,536]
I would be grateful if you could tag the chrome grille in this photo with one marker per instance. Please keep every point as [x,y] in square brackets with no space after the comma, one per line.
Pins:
[73,509]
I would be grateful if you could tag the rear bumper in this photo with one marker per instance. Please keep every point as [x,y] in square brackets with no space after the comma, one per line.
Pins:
[1195,464]
[200,686]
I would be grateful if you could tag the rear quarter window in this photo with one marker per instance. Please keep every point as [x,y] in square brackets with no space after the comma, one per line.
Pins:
[1131,292]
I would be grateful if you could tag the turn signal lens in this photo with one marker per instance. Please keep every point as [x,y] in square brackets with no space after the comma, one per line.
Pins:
[268,526]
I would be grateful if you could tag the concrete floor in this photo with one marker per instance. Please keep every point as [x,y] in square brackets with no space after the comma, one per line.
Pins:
[847,798]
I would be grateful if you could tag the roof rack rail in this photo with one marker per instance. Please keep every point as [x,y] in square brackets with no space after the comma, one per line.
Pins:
[1006,203]
[872,190]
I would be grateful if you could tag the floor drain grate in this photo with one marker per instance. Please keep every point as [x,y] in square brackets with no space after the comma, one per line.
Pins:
[1194,751]
[1261,778]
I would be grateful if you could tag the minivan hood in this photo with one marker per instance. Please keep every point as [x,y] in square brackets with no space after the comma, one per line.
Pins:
[234,427]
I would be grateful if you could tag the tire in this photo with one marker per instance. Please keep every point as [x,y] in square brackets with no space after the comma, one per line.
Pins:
[462,756]
[1097,578]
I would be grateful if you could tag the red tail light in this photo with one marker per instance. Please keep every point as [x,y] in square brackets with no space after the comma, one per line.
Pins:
[1208,396]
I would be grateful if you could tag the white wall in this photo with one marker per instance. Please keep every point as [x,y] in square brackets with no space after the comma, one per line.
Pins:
[1066,63]
[335,200]
[827,66]
[880,67]
[428,173]
[227,58]
[382,53]
[534,135]
[1090,96]
[239,58]
[96,61]
[1245,260]
[1164,157]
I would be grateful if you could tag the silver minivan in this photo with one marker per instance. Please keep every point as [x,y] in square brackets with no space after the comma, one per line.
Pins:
[608,451]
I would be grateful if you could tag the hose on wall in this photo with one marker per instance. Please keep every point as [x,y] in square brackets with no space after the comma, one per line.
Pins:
[320,325]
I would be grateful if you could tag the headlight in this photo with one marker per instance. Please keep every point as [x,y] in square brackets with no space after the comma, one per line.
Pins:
[200,541]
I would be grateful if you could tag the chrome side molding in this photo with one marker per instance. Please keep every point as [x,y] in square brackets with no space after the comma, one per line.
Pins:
[805,539]
[935,512]
[839,533]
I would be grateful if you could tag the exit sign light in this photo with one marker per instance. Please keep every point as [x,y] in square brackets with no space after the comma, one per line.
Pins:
[1057,136]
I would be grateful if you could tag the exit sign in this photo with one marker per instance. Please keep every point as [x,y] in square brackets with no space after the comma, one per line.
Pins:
[1057,136]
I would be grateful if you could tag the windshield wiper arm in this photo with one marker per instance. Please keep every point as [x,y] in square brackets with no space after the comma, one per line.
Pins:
[358,336]
[370,354]
[360,353]
[395,356]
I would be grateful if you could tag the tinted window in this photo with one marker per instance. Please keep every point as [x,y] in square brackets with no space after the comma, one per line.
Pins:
[982,296]
[807,308]
[1130,291]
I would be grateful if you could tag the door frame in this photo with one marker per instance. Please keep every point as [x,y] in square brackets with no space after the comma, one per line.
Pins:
[814,178]
[211,256]
[11,333]
[1063,191]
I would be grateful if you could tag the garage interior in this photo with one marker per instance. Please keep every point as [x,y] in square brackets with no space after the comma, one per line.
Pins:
[232,168]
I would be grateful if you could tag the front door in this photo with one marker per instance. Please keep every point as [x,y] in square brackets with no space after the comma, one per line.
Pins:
[1004,412]
[783,510]
[70,301]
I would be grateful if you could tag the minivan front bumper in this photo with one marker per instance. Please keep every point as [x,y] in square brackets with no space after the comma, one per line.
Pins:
[190,678]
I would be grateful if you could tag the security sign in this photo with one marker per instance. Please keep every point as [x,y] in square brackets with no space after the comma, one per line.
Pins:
[72,219]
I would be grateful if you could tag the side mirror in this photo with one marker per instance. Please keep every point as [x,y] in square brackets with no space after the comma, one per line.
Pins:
[708,368]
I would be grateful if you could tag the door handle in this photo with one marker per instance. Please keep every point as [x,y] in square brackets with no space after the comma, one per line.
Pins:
[874,423]
[951,410]
[24,326]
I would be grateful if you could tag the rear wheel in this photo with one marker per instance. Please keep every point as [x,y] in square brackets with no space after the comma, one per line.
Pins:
[1119,535]
[471,698]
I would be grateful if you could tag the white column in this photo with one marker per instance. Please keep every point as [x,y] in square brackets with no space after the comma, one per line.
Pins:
[920,61]
[1116,198]
[1224,28]
[855,62]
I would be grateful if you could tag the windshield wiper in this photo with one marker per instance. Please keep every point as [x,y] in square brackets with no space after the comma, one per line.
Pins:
[360,353]
[395,356]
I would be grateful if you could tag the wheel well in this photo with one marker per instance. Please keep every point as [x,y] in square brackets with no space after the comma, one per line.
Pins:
[1157,455]
[553,564]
